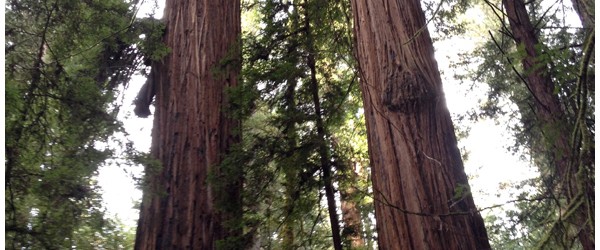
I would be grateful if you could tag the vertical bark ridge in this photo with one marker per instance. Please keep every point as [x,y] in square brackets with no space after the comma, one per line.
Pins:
[417,166]
[192,132]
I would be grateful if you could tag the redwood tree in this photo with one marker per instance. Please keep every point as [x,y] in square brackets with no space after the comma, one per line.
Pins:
[192,132]
[569,146]
[420,187]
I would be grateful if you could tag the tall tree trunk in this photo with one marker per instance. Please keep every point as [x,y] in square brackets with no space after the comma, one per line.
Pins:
[420,187]
[323,147]
[554,125]
[324,155]
[192,132]
[291,172]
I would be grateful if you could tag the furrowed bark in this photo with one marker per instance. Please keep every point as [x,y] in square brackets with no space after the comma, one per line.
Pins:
[415,162]
[192,132]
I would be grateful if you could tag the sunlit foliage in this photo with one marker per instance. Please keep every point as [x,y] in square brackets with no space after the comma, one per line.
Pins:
[65,61]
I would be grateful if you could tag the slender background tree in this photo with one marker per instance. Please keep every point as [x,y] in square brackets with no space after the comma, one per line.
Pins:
[539,60]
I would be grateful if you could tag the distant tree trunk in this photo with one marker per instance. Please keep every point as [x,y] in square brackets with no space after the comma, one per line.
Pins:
[192,132]
[291,172]
[322,139]
[585,11]
[352,232]
[324,160]
[571,171]
[422,198]
[348,170]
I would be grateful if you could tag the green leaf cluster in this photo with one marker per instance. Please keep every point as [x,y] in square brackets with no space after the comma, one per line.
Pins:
[65,62]
[561,50]
[284,203]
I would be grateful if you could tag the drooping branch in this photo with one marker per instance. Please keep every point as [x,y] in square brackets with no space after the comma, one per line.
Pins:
[146,94]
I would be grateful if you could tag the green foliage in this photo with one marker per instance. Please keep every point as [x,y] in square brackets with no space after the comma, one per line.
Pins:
[152,31]
[521,225]
[280,149]
[444,16]
[461,191]
[64,61]
[499,61]
[152,167]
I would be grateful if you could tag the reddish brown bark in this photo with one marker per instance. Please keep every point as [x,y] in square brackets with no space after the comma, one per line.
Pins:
[573,181]
[350,213]
[416,165]
[192,133]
